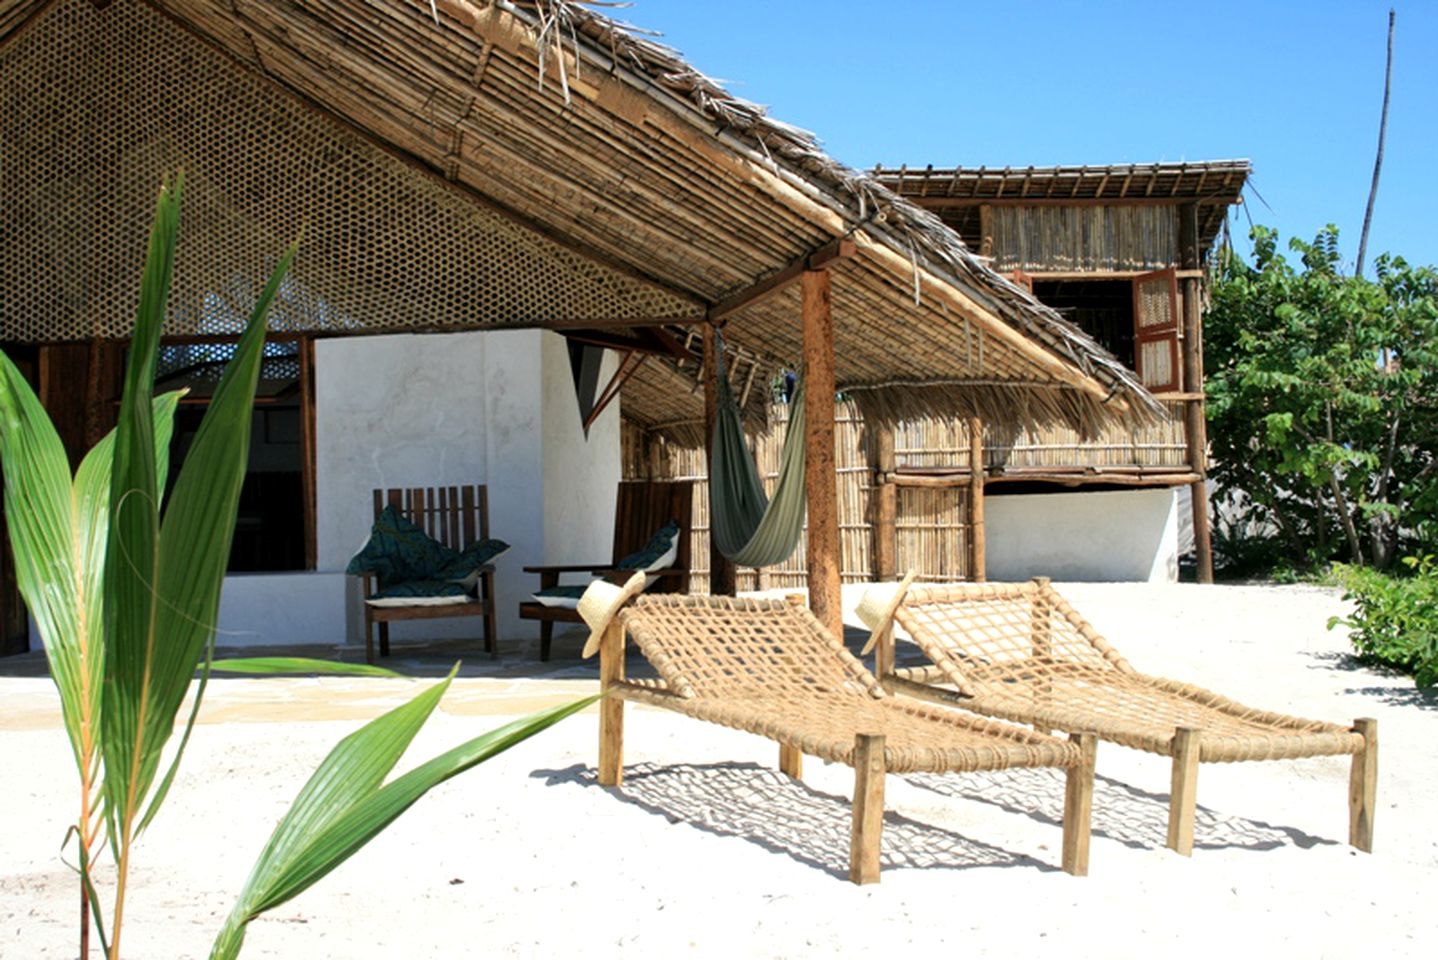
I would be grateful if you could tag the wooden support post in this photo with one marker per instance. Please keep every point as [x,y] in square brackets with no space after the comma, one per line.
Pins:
[1194,413]
[1363,786]
[1183,795]
[611,708]
[884,504]
[884,653]
[986,230]
[821,481]
[307,453]
[1078,806]
[723,577]
[978,542]
[864,840]
[791,761]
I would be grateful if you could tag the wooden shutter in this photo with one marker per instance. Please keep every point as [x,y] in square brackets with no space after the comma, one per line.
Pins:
[1155,330]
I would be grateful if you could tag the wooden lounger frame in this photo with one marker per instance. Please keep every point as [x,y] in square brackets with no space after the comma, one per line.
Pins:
[1020,652]
[797,685]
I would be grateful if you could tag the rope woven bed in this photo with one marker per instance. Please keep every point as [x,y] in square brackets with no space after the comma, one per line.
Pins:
[1021,652]
[770,668]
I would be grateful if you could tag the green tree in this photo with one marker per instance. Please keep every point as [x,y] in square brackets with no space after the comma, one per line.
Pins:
[1323,399]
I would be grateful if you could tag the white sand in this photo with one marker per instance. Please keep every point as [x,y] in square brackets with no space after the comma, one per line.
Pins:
[707,851]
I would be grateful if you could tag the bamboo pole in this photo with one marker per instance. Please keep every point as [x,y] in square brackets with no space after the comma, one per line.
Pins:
[723,577]
[821,488]
[1195,415]
[978,541]
[884,504]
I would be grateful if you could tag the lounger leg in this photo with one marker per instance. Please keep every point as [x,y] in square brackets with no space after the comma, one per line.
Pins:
[791,761]
[1183,798]
[546,634]
[368,636]
[1363,786]
[383,638]
[611,708]
[1078,806]
[868,808]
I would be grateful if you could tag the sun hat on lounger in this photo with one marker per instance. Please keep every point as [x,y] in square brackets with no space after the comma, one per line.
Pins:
[602,601]
[878,605]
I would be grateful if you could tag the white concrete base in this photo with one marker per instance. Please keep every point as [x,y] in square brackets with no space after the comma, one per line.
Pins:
[264,609]
[1110,535]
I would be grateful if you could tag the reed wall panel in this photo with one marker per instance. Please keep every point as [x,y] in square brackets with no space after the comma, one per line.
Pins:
[1036,239]
[931,531]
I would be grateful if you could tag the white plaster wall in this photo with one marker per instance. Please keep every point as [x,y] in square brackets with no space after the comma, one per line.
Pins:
[269,609]
[1109,535]
[493,407]
[580,476]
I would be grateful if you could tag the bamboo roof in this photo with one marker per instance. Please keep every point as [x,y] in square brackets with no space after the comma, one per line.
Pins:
[956,193]
[490,164]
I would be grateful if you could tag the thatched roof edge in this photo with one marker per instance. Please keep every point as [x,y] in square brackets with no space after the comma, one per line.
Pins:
[797,156]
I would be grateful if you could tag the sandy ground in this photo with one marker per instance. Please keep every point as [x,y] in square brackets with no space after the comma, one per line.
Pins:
[707,851]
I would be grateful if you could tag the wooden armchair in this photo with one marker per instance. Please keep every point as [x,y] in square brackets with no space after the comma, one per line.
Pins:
[455,517]
[642,507]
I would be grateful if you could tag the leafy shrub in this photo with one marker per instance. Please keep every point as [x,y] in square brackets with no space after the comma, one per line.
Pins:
[1396,619]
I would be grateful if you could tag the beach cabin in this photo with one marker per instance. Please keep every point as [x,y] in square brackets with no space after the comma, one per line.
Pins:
[508,213]
[1123,252]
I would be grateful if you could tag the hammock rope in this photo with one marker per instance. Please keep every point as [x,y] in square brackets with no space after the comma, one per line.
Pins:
[750,529]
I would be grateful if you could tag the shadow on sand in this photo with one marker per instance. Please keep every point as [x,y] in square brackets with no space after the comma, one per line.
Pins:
[1133,817]
[787,816]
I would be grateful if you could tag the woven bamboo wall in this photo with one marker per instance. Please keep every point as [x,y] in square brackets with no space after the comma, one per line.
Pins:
[1035,239]
[945,443]
[931,532]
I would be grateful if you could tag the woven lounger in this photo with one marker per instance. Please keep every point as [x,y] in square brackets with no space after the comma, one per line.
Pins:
[1019,652]
[770,668]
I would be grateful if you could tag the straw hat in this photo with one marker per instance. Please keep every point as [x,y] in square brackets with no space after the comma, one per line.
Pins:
[600,604]
[878,606]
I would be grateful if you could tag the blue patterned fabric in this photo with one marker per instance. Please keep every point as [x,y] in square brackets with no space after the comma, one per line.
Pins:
[404,556]
[464,568]
[652,552]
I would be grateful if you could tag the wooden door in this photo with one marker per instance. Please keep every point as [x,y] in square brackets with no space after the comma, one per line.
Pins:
[1155,330]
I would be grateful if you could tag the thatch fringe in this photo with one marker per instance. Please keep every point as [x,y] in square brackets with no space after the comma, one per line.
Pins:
[796,155]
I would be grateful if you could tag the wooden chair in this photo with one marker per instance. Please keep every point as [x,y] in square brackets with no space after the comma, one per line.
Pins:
[642,507]
[456,517]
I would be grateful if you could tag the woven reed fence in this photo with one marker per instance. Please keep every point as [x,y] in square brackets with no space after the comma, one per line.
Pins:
[936,444]
[1036,239]
[931,529]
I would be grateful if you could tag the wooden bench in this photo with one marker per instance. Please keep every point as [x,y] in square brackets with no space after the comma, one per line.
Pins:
[641,508]
[456,517]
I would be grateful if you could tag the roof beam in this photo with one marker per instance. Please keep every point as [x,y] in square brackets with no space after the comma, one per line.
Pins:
[955,203]
[819,258]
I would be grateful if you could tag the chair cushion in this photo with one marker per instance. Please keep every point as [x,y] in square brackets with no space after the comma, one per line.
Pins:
[399,550]
[418,593]
[661,551]
[464,568]
[566,597]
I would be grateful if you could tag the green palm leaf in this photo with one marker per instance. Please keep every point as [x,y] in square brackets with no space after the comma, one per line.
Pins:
[271,666]
[344,806]
[163,578]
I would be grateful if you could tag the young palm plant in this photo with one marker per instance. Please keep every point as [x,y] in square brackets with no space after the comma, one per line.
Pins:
[125,596]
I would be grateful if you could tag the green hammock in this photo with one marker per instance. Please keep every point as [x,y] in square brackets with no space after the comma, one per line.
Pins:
[747,527]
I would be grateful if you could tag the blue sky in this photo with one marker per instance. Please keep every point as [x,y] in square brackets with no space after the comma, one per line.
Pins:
[1294,87]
